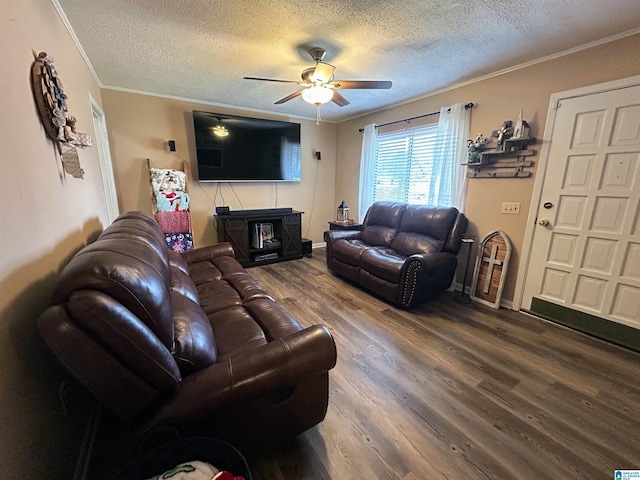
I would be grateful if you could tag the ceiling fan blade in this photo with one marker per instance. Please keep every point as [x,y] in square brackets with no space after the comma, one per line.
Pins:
[339,99]
[270,80]
[289,97]
[323,72]
[363,84]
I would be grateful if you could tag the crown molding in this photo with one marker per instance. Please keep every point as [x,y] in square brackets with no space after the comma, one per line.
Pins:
[74,37]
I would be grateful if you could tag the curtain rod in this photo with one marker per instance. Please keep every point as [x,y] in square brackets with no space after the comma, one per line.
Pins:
[467,106]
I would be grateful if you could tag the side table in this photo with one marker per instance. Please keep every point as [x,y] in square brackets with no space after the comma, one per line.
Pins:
[345,226]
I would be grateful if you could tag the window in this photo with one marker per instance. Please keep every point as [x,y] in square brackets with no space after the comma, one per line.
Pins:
[420,165]
[406,169]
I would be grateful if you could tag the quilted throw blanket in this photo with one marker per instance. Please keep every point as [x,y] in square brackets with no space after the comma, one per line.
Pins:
[174,222]
[172,207]
[167,179]
[167,201]
[179,242]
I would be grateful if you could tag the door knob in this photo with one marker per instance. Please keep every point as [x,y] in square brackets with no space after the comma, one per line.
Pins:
[543,221]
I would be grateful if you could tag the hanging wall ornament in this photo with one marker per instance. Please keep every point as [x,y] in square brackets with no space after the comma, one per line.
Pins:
[51,102]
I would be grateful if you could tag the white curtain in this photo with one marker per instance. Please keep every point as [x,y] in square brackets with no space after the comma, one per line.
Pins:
[367,169]
[449,177]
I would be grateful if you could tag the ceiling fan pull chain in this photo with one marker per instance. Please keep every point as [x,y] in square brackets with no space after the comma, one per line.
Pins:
[317,114]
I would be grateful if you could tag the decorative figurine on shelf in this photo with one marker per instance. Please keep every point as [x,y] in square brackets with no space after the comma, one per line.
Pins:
[505,132]
[521,129]
[474,147]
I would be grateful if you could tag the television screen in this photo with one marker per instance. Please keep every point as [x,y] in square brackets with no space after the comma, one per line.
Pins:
[242,149]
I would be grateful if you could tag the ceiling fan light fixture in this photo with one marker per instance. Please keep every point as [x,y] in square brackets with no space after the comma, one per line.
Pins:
[317,95]
[220,131]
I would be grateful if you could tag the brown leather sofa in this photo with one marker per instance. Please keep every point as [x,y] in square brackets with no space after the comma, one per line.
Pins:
[189,341]
[404,253]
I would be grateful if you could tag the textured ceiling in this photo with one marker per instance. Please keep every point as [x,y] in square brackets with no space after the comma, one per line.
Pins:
[201,49]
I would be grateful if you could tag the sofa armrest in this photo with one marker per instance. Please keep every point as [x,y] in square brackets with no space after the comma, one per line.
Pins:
[203,254]
[282,363]
[331,236]
[432,262]
[425,276]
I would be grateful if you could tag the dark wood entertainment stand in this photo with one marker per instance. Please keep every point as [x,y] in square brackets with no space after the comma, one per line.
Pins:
[237,227]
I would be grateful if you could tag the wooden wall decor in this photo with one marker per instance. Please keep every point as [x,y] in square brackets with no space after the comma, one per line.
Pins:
[491,268]
[51,102]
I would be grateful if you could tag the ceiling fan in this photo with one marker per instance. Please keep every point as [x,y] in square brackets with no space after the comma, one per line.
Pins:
[318,84]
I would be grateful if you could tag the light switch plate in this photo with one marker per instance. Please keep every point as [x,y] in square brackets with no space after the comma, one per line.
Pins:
[510,208]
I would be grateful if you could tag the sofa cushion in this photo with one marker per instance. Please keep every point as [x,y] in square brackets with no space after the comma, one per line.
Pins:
[382,223]
[227,265]
[140,226]
[408,243]
[378,235]
[217,295]
[424,229]
[120,331]
[213,269]
[236,332]
[181,283]
[204,272]
[383,263]
[194,346]
[130,272]
[274,320]
[247,288]
[349,251]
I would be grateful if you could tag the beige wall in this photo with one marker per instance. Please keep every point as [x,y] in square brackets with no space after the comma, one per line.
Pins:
[498,99]
[139,127]
[46,217]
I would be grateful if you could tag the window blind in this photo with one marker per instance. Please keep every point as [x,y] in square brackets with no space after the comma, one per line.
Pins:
[407,169]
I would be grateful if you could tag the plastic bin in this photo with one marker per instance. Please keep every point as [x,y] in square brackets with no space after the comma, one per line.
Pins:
[158,460]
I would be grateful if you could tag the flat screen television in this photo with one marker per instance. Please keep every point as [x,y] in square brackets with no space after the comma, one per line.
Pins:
[231,148]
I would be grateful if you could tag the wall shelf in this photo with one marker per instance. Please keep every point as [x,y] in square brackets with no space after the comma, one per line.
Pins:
[511,156]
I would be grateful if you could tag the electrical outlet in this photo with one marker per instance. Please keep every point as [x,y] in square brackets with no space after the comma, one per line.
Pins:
[510,208]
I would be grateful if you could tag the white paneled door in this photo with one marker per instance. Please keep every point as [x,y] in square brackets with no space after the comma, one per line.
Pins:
[585,253]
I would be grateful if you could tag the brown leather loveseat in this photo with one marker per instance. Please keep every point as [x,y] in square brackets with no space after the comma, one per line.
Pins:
[405,253]
[185,341]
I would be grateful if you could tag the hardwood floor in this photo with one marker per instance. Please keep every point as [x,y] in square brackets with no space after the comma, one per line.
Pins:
[452,391]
